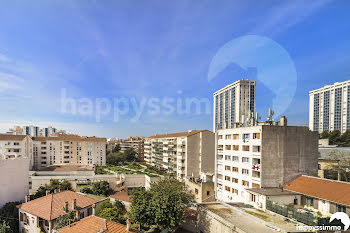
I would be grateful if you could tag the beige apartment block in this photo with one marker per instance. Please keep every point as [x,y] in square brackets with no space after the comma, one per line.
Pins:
[15,146]
[69,150]
[190,156]
[234,104]
[263,156]
[329,108]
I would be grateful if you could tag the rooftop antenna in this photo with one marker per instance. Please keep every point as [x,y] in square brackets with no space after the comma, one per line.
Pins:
[270,115]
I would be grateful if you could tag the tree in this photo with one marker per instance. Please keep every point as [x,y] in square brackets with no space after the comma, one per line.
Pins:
[334,137]
[163,205]
[86,190]
[103,205]
[113,214]
[101,188]
[141,210]
[324,135]
[66,185]
[130,154]
[168,202]
[65,220]
[115,158]
[10,212]
[120,205]
[116,148]
[5,227]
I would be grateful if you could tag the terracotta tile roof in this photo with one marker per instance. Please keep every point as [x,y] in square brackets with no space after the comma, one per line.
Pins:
[93,224]
[181,134]
[12,137]
[69,138]
[331,190]
[52,206]
[122,196]
[68,168]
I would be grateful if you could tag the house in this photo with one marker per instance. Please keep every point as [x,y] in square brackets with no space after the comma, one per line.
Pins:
[40,215]
[93,224]
[124,197]
[322,196]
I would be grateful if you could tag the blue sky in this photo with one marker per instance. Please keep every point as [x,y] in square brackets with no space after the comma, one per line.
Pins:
[155,49]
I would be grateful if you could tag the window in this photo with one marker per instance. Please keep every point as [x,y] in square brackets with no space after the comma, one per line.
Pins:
[220,137]
[245,159]
[245,136]
[256,148]
[235,180]
[89,211]
[252,197]
[235,191]
[82,215]
[309,201]
[16,143]
[245,171]
[15,150]
[295,201]
[227,168]
[235,147]
[319,166]
[254,185]
[228,147]
[228,157]
[235,137]
[256,135]
[245,148]
[235,158]
[196,191]
[227,188]
[235,169]
[228,178]
[341,208]
[245,183]
[208,193]
[228,136]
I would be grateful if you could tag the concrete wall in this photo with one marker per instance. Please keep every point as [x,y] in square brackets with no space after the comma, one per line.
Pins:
[287,152]
[209,223]
[14,180]
[192,167]
[208,152]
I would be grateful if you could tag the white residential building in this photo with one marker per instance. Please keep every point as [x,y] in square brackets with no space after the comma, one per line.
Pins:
[14,180]
[330,108]
[262,156]
[234,104]
[15,146]
[34,131]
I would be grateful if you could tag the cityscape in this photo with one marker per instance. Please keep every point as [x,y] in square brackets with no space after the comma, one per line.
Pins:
[254,146]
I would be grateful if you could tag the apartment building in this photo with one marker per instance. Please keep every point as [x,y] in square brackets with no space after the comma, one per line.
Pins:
[185,154]
[68,149]
[234,104]
[15,146]
[33,131]
[136,143]
[329,108]
[262,156]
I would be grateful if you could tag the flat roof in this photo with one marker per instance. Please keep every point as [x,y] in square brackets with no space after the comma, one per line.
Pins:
[58,168]
[271,191]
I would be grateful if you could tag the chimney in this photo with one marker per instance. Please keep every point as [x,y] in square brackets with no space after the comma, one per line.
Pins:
[93,209]
[77,215]
[128,223]
[47,192]
[283,121]
[27,198]
[66,206]
[74,204]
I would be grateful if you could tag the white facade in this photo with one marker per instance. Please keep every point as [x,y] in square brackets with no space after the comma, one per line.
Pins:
[234,104]
[262,156]
[14,180]
[329,108]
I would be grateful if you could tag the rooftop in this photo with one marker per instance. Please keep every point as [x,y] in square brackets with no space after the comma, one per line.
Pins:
[271,191]
[67,168]
[51,206]
[12,137]
[331,190]
[93,224]
[121,196]
[181,134]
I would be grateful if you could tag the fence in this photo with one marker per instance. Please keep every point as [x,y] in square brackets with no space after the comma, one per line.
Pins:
[289,212]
